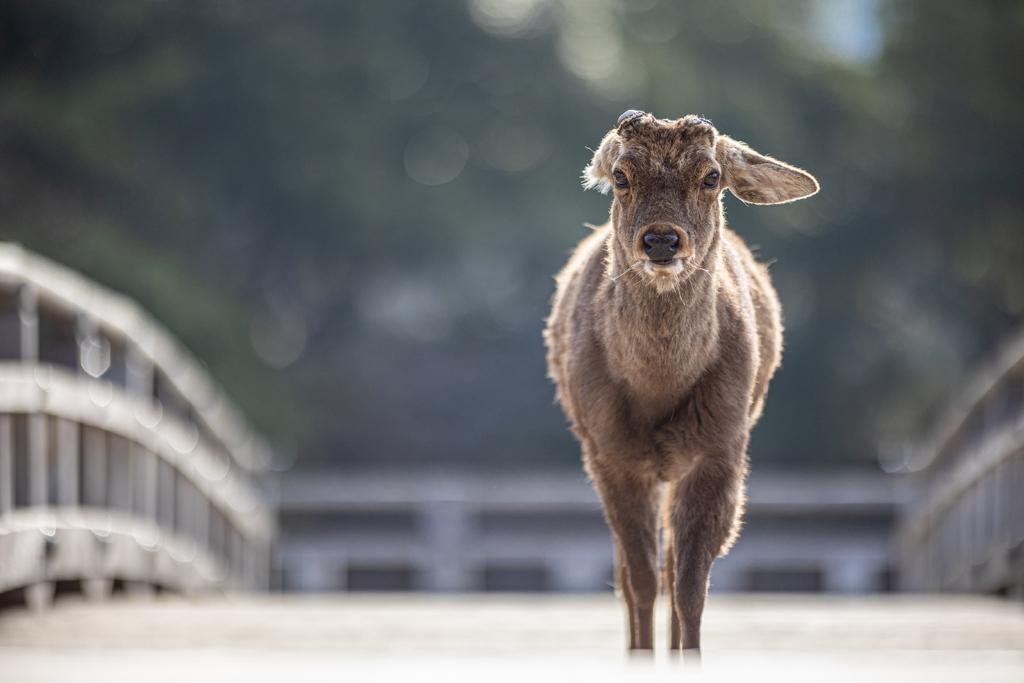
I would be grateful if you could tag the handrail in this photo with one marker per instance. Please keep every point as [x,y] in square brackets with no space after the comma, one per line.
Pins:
[70,290]
[966,531]
[95,543]
[1000,448]
[58,392]
[98,481]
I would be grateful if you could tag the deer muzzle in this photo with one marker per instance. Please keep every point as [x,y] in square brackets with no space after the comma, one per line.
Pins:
[662,243]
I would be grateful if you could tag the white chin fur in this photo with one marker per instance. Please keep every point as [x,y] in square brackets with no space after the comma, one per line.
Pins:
[664,278]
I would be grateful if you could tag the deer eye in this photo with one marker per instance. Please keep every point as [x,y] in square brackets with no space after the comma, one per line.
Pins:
[620,179]
[711,179]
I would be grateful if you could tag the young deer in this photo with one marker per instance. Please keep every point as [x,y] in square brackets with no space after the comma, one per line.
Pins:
[663,335]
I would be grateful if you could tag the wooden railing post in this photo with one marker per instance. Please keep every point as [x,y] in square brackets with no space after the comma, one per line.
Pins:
[28,317]
[6,464]
[67,462]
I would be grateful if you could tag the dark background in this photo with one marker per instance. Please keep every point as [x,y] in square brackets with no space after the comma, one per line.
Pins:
[351,212]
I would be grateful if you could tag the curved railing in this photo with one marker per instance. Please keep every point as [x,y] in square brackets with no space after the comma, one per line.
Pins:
[966,530]
[120,459]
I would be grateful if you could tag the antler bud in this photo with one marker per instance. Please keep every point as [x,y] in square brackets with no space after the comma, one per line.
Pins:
[630,116]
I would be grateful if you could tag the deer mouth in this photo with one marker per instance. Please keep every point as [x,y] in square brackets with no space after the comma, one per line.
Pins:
[663,268]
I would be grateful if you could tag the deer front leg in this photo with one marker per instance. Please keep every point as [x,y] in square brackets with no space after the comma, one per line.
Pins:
[622,583]
[631,504]
[703,509]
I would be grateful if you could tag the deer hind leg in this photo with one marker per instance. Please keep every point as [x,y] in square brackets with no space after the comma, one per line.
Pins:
[631,504]
[669,582]
[703,508]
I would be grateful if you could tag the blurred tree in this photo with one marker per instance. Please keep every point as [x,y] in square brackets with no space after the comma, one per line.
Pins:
[351,211]
[926,275]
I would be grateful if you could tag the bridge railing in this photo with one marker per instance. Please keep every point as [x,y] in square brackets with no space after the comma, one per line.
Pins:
[120,459]
[966,531]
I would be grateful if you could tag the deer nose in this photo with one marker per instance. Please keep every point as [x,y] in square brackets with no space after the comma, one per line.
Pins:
[661,247]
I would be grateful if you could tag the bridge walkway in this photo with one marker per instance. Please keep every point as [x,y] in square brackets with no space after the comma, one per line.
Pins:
[422,637]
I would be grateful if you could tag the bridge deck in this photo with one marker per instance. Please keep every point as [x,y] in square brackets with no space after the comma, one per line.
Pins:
[513,637]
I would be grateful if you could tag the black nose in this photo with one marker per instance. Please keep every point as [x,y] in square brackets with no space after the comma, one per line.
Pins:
[661,247]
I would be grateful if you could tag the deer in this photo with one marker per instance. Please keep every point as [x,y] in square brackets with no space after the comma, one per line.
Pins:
[663,335]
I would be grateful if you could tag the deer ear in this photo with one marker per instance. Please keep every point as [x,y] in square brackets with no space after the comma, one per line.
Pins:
[599,173]
[757,179]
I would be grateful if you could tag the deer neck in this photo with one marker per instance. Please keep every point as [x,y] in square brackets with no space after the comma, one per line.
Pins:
[661,341]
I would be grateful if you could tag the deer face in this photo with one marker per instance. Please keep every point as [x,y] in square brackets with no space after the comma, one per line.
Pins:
[667,178]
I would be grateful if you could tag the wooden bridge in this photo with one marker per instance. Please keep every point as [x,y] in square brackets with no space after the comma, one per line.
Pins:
[422,637]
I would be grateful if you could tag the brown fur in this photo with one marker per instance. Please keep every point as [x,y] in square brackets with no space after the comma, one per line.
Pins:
[662,370]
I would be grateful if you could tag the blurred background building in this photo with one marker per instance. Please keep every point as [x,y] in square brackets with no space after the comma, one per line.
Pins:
[350,214]
[122,464]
